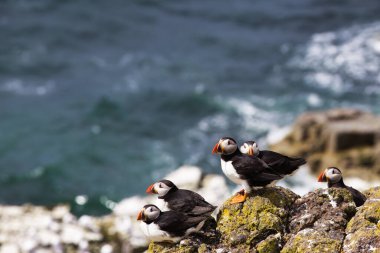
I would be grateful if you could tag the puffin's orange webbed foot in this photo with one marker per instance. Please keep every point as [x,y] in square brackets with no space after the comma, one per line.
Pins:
[239,197]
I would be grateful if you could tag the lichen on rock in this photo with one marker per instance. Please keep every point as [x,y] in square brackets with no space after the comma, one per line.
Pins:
[271,220]
[363,230]
[257,225]
[317,221]
[264,213]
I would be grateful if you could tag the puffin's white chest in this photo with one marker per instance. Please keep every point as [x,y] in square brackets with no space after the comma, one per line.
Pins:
[230,171]
[153,232]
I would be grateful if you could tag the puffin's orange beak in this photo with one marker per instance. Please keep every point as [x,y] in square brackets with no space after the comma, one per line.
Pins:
[216,149]
[140,216]
[251,151]
[151,189]
[322,177]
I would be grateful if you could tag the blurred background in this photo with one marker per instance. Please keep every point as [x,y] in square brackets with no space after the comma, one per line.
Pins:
[100,98]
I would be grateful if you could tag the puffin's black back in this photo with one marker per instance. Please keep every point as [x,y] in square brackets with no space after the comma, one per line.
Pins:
[188,202]
[254,170]
[282,164]
[176,223]
[357,196]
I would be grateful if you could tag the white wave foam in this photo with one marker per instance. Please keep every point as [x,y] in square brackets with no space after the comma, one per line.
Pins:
[18,87]
[336,60]
[252,116]
[314,100]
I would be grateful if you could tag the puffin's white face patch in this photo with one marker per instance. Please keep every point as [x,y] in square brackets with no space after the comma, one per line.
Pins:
[333,175]
[161,188]
[228,146]
[246,147]
[255,149]
[152,213]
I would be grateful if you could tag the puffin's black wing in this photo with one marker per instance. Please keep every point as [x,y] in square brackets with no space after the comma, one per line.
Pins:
[176,223]
[251,167]
[282,164]
[357,196]
[189,202]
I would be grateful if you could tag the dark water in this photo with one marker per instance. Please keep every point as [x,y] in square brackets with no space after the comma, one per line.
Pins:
[100,98]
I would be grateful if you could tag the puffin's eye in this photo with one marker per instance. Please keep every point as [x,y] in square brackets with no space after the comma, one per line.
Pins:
[159,186]
[228,142]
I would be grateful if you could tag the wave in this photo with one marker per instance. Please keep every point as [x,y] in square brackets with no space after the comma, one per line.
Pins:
[18,87]
[342,60]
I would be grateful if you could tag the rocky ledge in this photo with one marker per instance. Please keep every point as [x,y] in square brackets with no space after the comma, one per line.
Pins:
[348,138]
[275,219]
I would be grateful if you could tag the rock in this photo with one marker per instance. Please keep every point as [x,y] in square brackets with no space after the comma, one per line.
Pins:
[9,248]
[28,228]
[346,137]
[271,220]
[317,221]
[310,241]
[363,230]
[264,213]
[276,220]
[257,225]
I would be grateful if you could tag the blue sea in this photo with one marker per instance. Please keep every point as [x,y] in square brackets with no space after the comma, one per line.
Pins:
[100,98]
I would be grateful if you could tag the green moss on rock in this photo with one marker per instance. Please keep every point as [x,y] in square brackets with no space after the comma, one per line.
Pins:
[311,241]
[163,247]
[274,220]
[262,214]
[373,193]
[363,230]
[270,245]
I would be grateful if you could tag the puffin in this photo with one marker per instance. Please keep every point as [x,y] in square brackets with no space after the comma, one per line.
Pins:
[333,177]
[170,226]
[242,169]
[282,164]
[180,200]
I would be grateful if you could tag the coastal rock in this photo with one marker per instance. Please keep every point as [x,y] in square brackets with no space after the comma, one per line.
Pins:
[277,220]
[247,226]
[346,137]
[272,219]
[363,230]
[257,225]
[27,228]
[318,220]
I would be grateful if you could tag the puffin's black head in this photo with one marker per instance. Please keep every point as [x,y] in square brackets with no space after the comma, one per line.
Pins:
[225,146]
[149,213]
[250,148]
[331,174]
[161,187]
